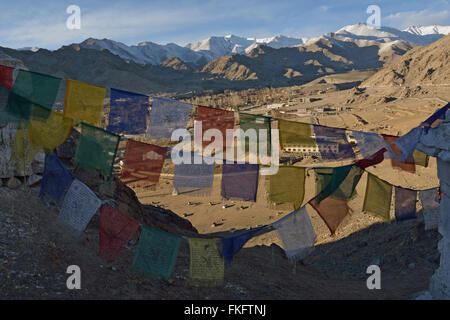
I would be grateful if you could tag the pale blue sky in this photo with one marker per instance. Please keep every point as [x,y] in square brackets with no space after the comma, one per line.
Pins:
[43,23]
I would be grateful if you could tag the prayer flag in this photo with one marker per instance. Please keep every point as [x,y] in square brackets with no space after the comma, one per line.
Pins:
[79,206]
[207,266]
[51,132]
[232,245]
[6,76]
[405,204]
[430,207]
[262,126]
[333,143]
[166,116]
[213,118]
[370,143]
[407,165]
[377,199]
[143,162]
[129,112]
[84,102]
[97,149]
[297,234]
[156,253]
[192,178]
[37,88]
[56,179]
[336,189]
[116,230]
[407,143]
[420,158]
[23,152]
[296,134]
[240,181]
[287,187]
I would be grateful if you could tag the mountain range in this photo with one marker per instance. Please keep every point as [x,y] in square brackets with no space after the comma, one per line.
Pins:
[229,62]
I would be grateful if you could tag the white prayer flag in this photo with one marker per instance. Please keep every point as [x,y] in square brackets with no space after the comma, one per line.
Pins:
[79,206]
[430,208]
[297,234]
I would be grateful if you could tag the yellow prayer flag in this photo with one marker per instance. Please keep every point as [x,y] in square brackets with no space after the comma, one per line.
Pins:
[207,265]
[49,133]
[22,153]
[377,199]
[84,102]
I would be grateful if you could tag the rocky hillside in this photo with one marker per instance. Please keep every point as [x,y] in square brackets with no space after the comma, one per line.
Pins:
[429,65]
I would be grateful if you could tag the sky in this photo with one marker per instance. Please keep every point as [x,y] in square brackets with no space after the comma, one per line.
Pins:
[28,23]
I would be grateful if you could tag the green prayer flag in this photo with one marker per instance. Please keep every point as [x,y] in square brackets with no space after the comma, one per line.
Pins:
[287,187]
[156,253]
[37,88]
[377,199]
[421,158]
[295,133]
[258,123]
[97,149]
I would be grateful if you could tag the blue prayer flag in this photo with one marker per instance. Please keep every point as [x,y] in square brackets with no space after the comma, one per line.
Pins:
[405,204]
[240,181]
[55,180]
[129,112]
[166,116]
[232,245]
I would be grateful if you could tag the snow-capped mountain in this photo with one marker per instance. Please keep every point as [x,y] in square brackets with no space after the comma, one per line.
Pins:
[415,35]
[427,30]
[201,52]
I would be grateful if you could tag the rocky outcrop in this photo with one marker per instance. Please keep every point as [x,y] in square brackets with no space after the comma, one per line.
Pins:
[437,143]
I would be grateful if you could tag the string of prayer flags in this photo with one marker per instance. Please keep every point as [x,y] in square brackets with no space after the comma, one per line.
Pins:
[240,181]
[333,143]
[297,234]
[331,203]
[116,230]
[295,134]
[287,187]
[129,112]
[407,165]
[232,245]
[430,207]
[49,133]
[6,76]
[262,126]
[143,162]
[156,253]
[84,102]
[207,266]
[97,149]
[55,180]
[377,199]
[212,118]
[79,206]
[421,158]
[166,116]
[405,204]
[195,178]
[37,88]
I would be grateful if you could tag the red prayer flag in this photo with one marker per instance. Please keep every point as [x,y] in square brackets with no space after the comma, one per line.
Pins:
[212,118]
[376,158]
[6,76]
[143,162]
[116,230]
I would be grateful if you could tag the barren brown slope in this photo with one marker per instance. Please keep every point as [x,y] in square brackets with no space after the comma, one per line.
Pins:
[429,65]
